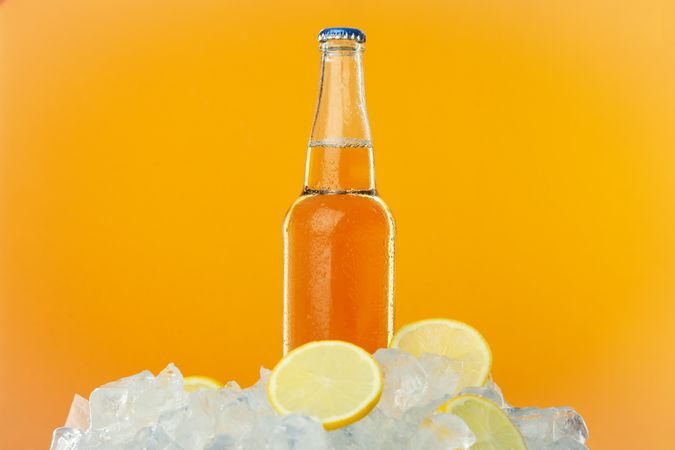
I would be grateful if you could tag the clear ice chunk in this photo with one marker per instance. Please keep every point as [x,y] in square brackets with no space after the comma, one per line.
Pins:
[541,427]
[152,438]
[565,444]
[66,438]
[411,382]
[490,392]
[418,414]
[443,432]
[296,432]
[240,411]
[110,403]
[78,416]
[195,424]
[223,442]
[405,381]
[376,431]
[256,395]
[132,403]
[442,375]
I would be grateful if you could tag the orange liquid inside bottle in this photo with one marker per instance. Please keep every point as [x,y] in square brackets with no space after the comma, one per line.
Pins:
[339,235]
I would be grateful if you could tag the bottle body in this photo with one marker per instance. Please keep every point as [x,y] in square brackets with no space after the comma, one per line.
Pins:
[339,235]
[339,270]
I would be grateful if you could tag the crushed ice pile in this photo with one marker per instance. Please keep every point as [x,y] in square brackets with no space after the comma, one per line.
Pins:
[144,412]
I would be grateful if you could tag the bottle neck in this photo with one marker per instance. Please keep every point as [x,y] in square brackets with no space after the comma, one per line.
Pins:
[340,157]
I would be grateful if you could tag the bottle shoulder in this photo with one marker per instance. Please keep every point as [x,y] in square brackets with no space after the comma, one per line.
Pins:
[348,206]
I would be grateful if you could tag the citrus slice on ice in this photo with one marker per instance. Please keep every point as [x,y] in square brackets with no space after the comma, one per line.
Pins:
[197,382]
[336,382]
[492,427]
[455,340]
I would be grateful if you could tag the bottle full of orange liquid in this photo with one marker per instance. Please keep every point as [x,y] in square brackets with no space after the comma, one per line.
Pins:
[339,234]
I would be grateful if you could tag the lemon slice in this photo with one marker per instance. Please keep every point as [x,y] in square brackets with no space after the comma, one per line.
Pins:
[492,427]
[455,340]
[197,382]
[336,382]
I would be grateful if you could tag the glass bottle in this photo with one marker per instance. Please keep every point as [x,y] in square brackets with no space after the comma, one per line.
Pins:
[339,234]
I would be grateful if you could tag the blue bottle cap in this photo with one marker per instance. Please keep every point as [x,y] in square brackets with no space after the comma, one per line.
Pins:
[352,34]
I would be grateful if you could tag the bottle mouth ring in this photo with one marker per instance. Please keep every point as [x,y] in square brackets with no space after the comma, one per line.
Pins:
[339,46]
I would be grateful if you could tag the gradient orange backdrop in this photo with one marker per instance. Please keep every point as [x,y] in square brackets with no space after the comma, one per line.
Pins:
[149,150]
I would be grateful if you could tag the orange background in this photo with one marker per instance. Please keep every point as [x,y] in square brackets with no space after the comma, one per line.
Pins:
[149,150]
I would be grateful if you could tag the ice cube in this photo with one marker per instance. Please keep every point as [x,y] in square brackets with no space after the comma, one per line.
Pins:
[231,386]
[197,422]
[442,375]
[193,429]
[152,438]
[236,419]
[405,381]
[110,403]
[78,416]
[99,440]
[170,379]
[443,432]
[223,442]
[165,394]
[565,444]
[540,427]
[240,410]
[120,409]
[256,395]
[416,415]
[296,432]
[490,392]
[376,431]
[66,438]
